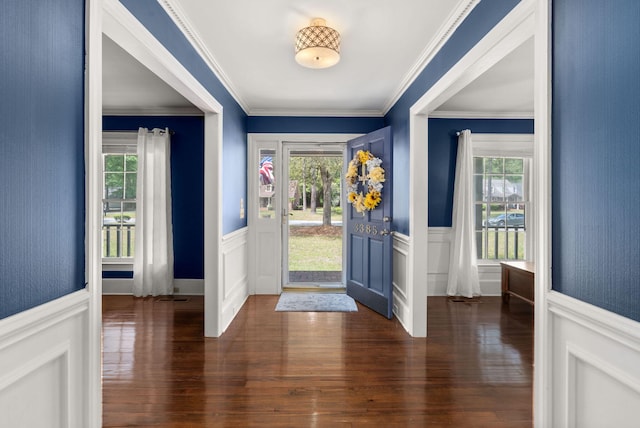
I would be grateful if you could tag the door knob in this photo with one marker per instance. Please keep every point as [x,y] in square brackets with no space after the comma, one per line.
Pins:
[385,232]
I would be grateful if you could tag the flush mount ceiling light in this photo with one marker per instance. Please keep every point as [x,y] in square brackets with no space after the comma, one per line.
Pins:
[317,46]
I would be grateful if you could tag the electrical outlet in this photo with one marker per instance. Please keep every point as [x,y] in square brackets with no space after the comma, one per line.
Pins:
[176,289]
[241,207]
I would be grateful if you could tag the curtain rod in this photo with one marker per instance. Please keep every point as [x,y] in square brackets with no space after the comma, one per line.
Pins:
[171,131]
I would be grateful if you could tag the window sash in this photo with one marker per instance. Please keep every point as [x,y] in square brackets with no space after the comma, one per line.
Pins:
[123,234]
[505,146]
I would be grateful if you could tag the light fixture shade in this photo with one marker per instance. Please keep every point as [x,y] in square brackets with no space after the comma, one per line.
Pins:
[317,46]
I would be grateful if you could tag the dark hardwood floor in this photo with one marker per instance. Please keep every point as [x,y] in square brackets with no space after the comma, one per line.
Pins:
[295,369]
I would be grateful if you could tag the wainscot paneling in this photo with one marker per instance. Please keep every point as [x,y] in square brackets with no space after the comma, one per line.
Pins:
[401,302]
[44,355]
[438,260]
[595,354]
[438,266]
[235,274]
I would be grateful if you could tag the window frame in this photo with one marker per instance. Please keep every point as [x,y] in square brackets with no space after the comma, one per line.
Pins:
[117,142]
[511,146]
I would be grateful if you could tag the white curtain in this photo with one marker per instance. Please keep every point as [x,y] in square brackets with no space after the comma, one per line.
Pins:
[463,262]
[153,258]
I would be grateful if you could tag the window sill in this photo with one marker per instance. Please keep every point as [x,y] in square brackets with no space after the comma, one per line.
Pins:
[495,263]
[117,264]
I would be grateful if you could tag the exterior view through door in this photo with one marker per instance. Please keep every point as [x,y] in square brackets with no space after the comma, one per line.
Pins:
[347,242]
[312,240]
[368,221]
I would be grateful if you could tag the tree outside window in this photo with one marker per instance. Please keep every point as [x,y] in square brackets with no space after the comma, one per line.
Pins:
[119,205]
[501,205]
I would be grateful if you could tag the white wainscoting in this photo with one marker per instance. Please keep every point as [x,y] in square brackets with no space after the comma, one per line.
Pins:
[596,363]
[44,360]
[438,266]
[235,274]
[438,260]
[401,291]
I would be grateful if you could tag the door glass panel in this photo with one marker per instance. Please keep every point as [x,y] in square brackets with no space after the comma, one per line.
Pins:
[267,190]
[315,217]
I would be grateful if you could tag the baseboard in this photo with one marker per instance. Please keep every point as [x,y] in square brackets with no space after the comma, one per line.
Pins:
[124,286]
[191,287]
[117,286]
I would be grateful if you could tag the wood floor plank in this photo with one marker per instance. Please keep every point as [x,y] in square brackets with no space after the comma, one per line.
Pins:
[297,369]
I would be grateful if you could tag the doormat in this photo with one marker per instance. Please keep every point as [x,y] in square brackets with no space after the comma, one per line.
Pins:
[315,302]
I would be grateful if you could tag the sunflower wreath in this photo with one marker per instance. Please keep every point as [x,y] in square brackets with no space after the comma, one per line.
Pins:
[371,178]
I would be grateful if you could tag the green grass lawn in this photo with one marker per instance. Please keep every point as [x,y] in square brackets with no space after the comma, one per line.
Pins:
[315,253]
[336,214]
[502,255]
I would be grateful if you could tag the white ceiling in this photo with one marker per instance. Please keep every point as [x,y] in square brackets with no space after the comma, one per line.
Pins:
[505,90]
[128,87]
[250,45]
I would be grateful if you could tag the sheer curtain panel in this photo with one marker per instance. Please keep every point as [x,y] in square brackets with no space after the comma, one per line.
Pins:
[153,259]
[463,262]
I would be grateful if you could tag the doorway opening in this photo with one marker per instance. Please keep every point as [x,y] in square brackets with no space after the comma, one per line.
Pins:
[312,234]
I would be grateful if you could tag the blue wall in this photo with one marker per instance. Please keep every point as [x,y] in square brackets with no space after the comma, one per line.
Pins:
[234,185]
[308,125]
[479,22]
[443,148]
[187,186]
[41,152]
[596,153]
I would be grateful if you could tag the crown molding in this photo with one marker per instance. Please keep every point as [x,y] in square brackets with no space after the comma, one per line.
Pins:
[315,113]
[445,32]
[455,19]
[152,111]
[178,16]
[481,114]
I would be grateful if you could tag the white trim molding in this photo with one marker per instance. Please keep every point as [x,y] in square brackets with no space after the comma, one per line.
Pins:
[46,365]
[443,114]
[124,287]
[401,304]
[316,113]
[445,32]
[513,30]
[596,375]
[265,235]
[543,334]
[174,10]
[447,29]
[235,267]
[92,390]
[124,29]
[153,111]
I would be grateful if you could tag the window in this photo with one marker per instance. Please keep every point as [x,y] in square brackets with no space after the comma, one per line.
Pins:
[119,166]
[502,204]
[267,183]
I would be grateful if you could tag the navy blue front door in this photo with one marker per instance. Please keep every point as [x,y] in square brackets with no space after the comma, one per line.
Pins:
[369,239]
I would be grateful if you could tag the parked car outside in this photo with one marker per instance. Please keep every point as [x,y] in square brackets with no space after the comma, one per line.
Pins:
[510,219]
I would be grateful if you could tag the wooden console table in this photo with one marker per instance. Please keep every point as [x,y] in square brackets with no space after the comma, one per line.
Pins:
[518,279]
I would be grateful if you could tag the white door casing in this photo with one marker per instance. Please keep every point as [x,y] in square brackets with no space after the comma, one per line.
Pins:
[265,234]
[124,29]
